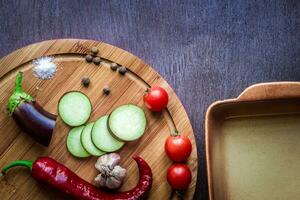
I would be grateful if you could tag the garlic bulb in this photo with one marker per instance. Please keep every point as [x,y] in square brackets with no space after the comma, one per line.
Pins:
[111,174]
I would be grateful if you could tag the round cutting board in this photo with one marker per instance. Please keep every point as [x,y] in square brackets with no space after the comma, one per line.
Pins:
[69,56]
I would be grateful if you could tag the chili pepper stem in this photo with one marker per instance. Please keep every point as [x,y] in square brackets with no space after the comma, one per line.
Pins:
[18,95]
[23,163]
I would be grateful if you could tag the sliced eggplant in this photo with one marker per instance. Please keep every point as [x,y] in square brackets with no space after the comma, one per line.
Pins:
[127,122]
[74,108]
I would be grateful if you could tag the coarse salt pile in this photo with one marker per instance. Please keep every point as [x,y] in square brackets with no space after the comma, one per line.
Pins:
[44,68]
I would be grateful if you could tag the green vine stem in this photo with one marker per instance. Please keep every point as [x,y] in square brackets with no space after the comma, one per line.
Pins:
[178,193]
[175,133]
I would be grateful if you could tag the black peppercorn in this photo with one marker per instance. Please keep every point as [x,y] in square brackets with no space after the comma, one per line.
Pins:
[94,50]
[106,89]
[85,81]
[114,66]
[97,60]
[122,70]
[89,58]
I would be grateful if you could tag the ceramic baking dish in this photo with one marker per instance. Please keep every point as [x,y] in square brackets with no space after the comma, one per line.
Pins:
[253,144]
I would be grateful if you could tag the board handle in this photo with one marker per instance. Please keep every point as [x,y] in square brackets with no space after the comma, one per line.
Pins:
[273,90]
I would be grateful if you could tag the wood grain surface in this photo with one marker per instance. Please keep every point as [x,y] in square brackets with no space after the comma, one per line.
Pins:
[69,55]
[206,50]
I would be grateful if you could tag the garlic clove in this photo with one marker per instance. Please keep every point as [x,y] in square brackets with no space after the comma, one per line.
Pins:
[113,183]
[101,161]
[110,160]
[113,160]
[119,172]
[100,180]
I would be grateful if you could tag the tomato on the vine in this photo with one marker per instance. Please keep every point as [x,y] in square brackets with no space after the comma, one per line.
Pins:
[156,98]
[178,148]
[179,176]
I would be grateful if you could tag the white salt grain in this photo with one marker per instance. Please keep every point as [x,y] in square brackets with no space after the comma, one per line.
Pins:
[44,68]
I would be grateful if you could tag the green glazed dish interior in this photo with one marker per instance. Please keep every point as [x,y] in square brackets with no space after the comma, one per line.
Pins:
[255,150]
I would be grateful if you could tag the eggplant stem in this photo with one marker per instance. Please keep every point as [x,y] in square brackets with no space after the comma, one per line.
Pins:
[18,83]
[23,163]
[18,95]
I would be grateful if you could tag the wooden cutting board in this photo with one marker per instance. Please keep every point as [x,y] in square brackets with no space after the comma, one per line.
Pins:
[69,56]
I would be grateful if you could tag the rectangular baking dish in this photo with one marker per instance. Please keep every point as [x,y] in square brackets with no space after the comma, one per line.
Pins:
[253,144]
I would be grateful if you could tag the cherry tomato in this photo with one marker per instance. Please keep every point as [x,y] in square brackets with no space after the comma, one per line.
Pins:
[178,148]
[156,99]
[179,176]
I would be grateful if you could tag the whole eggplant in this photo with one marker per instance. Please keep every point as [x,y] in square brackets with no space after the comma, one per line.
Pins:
[29,115]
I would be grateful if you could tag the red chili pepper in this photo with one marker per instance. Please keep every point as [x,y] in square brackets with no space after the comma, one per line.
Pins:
[47,170]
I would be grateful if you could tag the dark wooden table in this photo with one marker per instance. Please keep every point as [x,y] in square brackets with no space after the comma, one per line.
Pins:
[206,50]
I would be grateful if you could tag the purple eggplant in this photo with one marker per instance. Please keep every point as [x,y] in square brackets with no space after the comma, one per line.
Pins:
[29,115]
